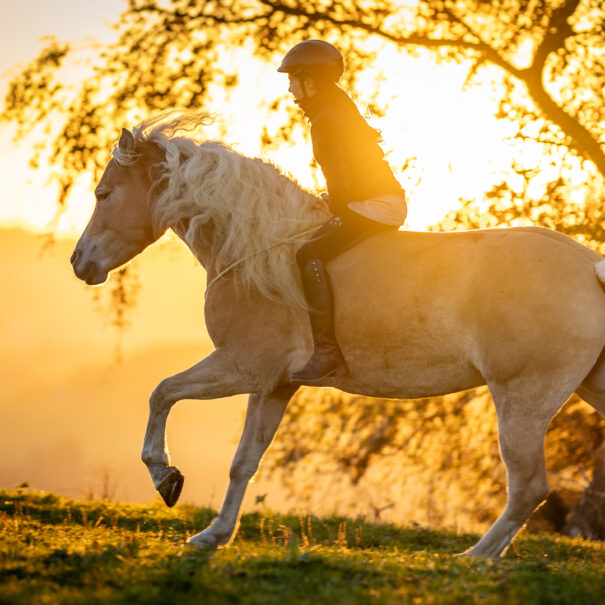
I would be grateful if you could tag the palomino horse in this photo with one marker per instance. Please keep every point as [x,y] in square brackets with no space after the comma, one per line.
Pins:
[417,314]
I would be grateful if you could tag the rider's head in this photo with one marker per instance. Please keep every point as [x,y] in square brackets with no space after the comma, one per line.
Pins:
[311,65]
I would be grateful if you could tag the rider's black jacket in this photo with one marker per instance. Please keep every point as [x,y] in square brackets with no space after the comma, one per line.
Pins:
[347,150]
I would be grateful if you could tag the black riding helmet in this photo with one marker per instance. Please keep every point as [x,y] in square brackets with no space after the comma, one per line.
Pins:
[315,57]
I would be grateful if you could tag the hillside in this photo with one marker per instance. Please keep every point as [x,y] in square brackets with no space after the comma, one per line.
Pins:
[64,551]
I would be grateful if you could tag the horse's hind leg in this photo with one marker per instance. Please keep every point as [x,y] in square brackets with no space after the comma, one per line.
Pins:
[592,389]
[523,418]
[262,419]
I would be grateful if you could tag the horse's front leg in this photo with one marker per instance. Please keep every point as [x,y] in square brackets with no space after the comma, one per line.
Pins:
[214,377]
[263,416]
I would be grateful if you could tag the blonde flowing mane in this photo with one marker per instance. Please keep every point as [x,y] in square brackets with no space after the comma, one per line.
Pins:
[256,211]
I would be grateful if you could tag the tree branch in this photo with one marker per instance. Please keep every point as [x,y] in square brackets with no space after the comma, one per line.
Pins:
[557,32]
[581,139]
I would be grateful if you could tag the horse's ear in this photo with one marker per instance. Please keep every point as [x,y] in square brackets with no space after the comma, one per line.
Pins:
[126,140]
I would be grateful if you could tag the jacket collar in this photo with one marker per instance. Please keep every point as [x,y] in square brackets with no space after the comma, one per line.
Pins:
[313,106]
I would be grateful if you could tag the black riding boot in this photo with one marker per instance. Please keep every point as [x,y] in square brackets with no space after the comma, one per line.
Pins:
[327,359]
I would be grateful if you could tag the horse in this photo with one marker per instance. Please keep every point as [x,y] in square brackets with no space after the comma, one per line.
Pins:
[417,314]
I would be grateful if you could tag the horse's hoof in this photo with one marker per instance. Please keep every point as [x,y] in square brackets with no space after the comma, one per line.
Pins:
[464,555]
[171,486]
[472,553]
[203,540]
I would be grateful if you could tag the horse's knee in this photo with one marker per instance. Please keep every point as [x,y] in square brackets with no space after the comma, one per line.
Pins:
[242,470]
[159,396]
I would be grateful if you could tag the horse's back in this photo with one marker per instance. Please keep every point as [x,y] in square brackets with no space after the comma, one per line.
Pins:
[392,258]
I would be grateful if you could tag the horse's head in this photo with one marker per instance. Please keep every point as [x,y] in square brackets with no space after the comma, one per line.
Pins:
[121,225]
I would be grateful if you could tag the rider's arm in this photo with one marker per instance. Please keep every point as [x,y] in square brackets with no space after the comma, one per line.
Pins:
[330,155]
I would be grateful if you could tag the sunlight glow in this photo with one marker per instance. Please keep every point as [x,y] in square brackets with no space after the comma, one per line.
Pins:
[452,133]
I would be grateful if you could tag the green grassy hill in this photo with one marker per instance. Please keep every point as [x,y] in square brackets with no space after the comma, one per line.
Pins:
[55,550]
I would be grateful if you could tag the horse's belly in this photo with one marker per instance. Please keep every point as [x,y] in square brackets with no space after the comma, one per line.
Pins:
[403,373]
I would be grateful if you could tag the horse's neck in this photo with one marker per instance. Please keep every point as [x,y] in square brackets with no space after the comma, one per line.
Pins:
[203,250]
[238,318]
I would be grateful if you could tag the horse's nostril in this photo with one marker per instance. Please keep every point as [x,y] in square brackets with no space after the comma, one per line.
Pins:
[74,256]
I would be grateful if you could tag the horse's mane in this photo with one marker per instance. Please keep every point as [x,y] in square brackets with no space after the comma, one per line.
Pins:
[256,211]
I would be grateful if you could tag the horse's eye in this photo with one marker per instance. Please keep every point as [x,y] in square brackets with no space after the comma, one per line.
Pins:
[102,196]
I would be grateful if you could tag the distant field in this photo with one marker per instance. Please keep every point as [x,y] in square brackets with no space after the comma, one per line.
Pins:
[55,550]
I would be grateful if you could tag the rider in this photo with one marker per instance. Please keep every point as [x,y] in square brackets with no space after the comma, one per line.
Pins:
[364,196]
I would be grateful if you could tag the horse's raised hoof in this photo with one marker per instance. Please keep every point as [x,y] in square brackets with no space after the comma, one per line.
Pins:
[171,486]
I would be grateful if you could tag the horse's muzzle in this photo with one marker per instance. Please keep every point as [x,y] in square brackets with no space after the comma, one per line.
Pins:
[87,271]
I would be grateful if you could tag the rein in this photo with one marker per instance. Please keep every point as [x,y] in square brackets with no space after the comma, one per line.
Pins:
[244,258]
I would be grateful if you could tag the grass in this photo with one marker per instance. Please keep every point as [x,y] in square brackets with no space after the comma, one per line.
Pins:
[55,550]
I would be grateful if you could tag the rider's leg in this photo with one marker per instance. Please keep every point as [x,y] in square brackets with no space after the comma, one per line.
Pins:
[334,238]
[327,359]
